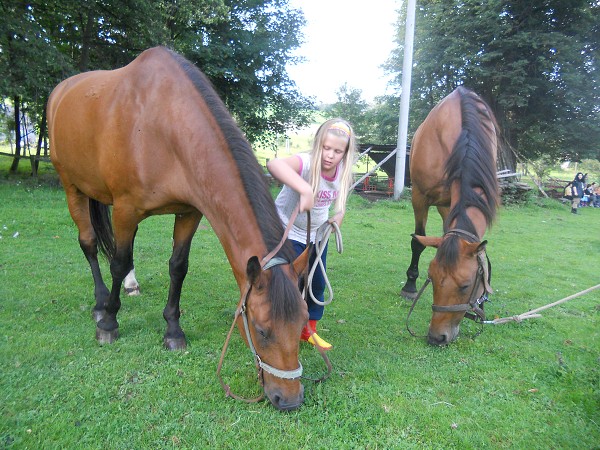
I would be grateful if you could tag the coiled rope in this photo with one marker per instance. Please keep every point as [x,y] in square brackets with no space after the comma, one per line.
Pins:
[321,239]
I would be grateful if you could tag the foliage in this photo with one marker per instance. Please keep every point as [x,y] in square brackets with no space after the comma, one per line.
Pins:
[243,47]
[536,63]
[534,384]
[350,106]
[512,194]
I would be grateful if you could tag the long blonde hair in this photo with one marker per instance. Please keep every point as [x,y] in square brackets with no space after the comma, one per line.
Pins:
[337,127]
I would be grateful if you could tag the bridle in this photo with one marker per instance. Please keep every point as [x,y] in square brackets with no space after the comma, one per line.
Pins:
[473,308]
[268,262]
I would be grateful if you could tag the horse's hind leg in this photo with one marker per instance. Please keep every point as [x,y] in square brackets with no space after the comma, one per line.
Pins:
[183,232]
[78,205]
[124,223]
[420,210]
[130,283]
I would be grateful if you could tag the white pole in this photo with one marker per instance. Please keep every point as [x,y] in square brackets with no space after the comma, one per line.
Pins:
[405,99]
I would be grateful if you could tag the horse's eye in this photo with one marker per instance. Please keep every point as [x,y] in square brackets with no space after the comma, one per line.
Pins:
[464,287]
[263,333]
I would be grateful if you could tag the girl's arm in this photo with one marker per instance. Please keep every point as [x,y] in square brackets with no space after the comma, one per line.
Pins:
[286,171]
[337,218]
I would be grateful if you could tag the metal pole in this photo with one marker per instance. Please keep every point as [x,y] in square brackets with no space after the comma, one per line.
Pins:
[405,99]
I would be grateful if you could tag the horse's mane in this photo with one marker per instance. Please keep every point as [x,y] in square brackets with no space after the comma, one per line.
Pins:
[472,163]
[255,186]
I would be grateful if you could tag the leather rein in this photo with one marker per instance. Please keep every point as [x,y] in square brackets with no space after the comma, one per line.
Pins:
[473,309]
[269,261]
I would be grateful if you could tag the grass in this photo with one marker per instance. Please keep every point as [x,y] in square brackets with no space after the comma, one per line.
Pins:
[530,385]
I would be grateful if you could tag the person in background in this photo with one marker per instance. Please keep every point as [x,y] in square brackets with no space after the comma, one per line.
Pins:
[590,191]
[578,185]
[597,196]
[315,181]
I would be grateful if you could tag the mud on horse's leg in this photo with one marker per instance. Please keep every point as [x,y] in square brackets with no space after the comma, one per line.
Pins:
[183,232]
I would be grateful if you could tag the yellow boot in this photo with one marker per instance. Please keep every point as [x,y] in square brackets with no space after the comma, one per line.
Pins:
[309,334]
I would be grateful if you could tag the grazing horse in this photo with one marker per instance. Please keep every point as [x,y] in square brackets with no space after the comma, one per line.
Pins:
[153,138]
[453,166]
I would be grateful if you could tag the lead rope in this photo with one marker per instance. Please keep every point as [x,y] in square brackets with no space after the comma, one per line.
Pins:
[324,232]
[533,313]
[305,293]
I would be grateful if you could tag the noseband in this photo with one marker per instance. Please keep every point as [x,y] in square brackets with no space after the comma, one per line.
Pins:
[473,309]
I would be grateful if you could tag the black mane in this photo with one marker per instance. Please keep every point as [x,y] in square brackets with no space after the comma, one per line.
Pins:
[256,188]
[471,163]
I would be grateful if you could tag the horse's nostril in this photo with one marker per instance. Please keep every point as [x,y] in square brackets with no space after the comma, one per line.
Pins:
[442,339]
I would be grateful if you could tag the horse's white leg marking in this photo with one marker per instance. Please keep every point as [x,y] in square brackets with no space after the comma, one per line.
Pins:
[130,284]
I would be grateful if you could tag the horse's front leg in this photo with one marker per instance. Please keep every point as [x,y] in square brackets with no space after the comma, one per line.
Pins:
[183,232]
[410,288]
[420,210]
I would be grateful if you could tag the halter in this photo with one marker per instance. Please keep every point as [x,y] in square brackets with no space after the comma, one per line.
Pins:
[473,309]
[268,262]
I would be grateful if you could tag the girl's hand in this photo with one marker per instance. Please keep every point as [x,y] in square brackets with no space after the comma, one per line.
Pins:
[286,170]
[307,200]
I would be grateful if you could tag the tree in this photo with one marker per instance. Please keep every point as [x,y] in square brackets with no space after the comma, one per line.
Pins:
[536,63]
[242,46]
[246,57]
[29,66]
[350,106]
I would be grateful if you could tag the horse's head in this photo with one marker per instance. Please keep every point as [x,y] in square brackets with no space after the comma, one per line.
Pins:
[459,275]
[274,316]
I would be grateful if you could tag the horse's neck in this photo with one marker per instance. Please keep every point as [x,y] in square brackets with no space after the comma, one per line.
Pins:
[239,234]
[474,214]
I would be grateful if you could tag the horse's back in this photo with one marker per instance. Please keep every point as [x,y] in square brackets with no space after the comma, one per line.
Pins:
[112,131]
[432,145]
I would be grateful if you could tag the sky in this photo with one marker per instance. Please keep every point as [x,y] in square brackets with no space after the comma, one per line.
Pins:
[344,43]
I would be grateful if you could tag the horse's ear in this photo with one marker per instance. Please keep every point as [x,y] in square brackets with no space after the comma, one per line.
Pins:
[481,247]
[473,248]
[301,262]
[428,241]
[253,269]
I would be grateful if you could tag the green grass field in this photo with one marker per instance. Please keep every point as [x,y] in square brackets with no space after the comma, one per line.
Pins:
[534,384]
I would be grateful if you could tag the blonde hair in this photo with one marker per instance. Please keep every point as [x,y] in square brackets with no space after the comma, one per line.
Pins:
[341,128]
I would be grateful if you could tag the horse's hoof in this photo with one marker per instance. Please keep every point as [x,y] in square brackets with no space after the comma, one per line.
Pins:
[175,343]
[106,337]
[132,291]
[98,314]
[408,295]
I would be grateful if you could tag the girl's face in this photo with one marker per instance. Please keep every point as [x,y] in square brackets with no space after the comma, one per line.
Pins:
[334,149]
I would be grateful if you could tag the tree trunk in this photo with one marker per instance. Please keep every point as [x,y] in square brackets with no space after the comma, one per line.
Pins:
[35,162]
[15,163]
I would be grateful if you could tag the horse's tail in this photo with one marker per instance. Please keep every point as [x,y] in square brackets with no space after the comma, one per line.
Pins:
[102,224]
[472,160]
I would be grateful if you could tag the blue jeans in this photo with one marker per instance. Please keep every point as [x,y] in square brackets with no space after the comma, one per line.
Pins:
[315,311]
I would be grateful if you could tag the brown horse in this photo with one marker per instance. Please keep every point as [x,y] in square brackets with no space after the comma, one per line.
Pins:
[453,166]
[154,138]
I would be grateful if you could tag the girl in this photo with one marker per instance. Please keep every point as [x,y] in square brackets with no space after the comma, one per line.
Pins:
[316,180]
